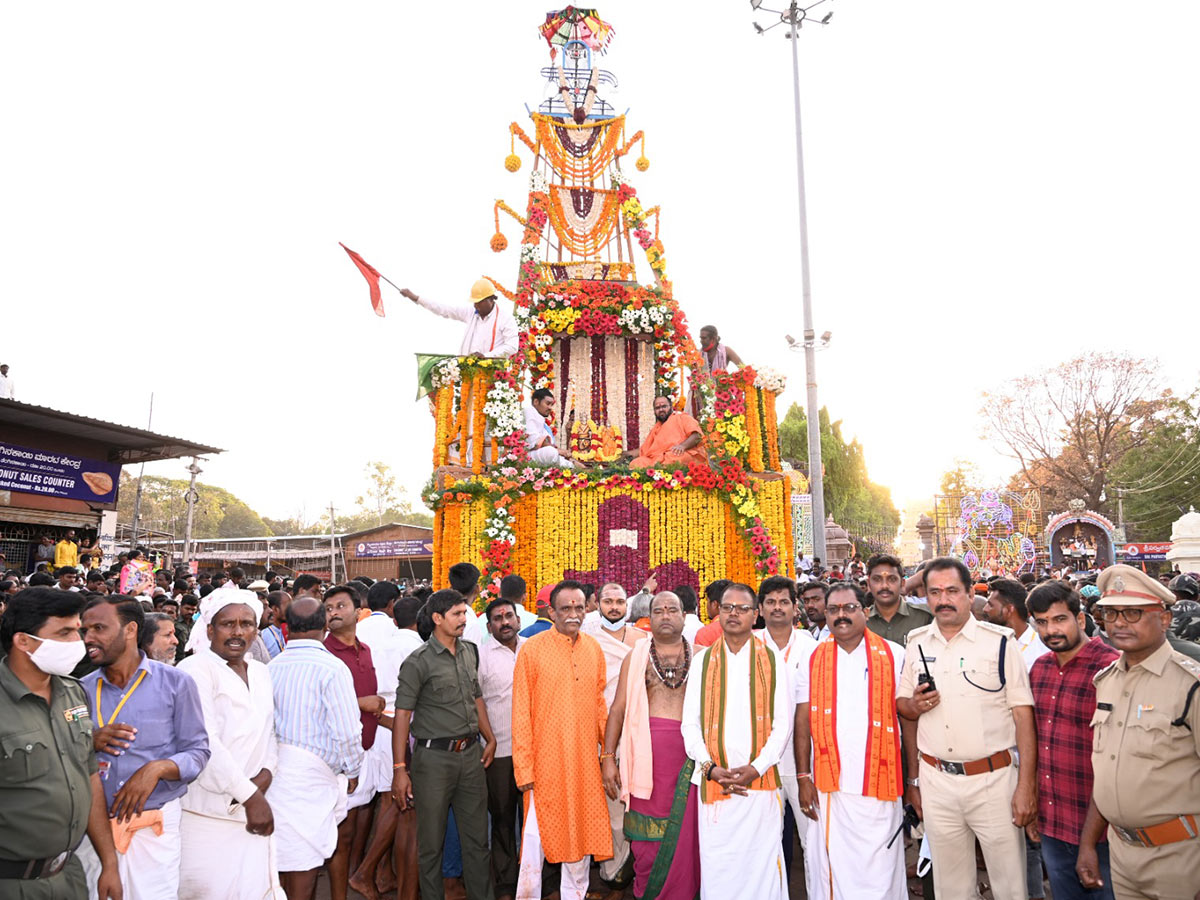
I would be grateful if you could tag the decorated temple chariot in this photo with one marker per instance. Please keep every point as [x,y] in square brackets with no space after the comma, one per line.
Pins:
[600,329]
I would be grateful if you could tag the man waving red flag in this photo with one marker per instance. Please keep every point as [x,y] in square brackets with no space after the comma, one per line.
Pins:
[372,276]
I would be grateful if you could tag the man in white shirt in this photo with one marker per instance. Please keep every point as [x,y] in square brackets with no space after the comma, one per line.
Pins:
[777,600]
[1006,606]
[497,661]
[812,598]
[6,384]
[226,815]
[690,602]
[390,631]
[737,736]
[491,330]
[539,439]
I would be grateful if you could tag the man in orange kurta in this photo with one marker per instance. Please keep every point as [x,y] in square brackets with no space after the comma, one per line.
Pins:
[675,438]
[558,721]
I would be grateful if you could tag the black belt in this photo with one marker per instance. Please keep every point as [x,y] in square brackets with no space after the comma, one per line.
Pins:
[454,745]
[28,869]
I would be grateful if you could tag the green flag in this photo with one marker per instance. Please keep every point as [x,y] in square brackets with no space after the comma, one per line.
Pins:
[426,363]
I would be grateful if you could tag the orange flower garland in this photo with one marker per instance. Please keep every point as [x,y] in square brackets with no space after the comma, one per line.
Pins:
[479,386]
[771,429]
[754,430]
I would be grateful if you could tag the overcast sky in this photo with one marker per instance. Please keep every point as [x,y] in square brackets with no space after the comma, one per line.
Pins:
[991,189]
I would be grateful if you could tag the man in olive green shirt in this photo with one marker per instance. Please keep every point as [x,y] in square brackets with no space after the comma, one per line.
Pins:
[891,617]
[439,698]
[50,791]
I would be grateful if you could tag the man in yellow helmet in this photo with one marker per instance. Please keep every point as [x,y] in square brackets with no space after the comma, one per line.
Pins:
[491,329]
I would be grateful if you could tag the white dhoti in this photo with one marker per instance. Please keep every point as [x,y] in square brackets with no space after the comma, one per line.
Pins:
[377,765]
[611,868]
[740,848]
[223,861]
[575,875]
[149,868]
[551,457]
[308,802]
[847,857]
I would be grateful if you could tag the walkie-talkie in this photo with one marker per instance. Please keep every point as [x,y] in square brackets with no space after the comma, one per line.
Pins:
[925,677]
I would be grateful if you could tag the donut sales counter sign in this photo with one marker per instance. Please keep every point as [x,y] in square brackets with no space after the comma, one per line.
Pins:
[57,474]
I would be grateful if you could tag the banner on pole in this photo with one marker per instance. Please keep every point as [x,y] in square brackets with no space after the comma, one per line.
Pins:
[802,525]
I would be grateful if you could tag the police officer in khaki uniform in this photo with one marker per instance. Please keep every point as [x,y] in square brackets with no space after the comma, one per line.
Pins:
[980,706]
[50,791]
[1145,749]
[438,695]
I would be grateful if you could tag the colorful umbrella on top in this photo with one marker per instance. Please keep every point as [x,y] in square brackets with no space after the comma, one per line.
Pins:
[572,24]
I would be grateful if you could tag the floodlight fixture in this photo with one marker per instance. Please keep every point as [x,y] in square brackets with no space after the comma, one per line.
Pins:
[758,28]
[755,4]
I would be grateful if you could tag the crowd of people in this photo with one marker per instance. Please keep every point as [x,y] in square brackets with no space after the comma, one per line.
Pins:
[221,737]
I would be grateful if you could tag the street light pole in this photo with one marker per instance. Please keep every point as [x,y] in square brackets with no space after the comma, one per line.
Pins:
[192,497]
[794,16]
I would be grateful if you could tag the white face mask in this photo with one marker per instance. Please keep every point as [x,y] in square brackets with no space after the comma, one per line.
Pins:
[612,626]
[57,657]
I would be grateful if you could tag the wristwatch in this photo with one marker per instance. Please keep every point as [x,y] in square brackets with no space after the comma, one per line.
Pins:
[913,782]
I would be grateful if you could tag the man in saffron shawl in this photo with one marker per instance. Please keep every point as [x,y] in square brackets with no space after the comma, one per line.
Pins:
[737,721]
[674,438]
[850,784]
[644,762]
[558,721]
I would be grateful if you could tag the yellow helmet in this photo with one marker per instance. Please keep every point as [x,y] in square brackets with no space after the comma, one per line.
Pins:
[482,289]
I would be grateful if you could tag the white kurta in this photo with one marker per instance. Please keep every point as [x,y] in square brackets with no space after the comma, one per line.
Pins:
[390,646]
[493,335]
[240,720]
[796,653]
[846,856]
[740,837]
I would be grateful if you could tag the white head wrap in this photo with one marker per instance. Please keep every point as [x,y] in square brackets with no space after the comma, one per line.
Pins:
[213,604]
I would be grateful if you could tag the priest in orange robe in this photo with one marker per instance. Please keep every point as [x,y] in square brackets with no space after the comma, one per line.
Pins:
[675,438]
[558,723]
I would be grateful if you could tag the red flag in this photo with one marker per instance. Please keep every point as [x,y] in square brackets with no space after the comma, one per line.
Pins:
[371,275]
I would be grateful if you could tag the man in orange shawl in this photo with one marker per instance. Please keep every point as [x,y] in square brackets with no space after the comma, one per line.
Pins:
[558,723]
[737,721]
[850,778]
[675,438]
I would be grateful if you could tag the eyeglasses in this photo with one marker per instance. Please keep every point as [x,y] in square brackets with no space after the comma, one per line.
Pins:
[846,608]
[736,607]
[1131,615]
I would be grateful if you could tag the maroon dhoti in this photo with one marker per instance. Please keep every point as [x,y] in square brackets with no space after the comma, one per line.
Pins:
[670,813]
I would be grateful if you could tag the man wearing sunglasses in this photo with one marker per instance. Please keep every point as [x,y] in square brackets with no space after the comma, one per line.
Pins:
[1145,748]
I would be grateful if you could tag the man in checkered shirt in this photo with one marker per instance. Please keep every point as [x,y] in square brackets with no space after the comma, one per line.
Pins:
[1064,700]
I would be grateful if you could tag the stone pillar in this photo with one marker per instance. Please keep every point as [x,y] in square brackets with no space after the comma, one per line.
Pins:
[925,529]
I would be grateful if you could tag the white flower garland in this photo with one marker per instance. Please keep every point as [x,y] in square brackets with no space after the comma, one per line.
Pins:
[502,406]
[767,379]
[446,372]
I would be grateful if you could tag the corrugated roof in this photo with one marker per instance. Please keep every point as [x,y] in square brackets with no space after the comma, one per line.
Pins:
[129,445]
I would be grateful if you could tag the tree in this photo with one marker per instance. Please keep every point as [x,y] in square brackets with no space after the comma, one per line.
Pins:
[381,494]
[1069,426]
[851,497]
[1160,479]
[964,478]
[164,508]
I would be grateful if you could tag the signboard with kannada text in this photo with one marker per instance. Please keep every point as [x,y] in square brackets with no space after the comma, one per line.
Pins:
[1146,552]
[52,474]
[393,548]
